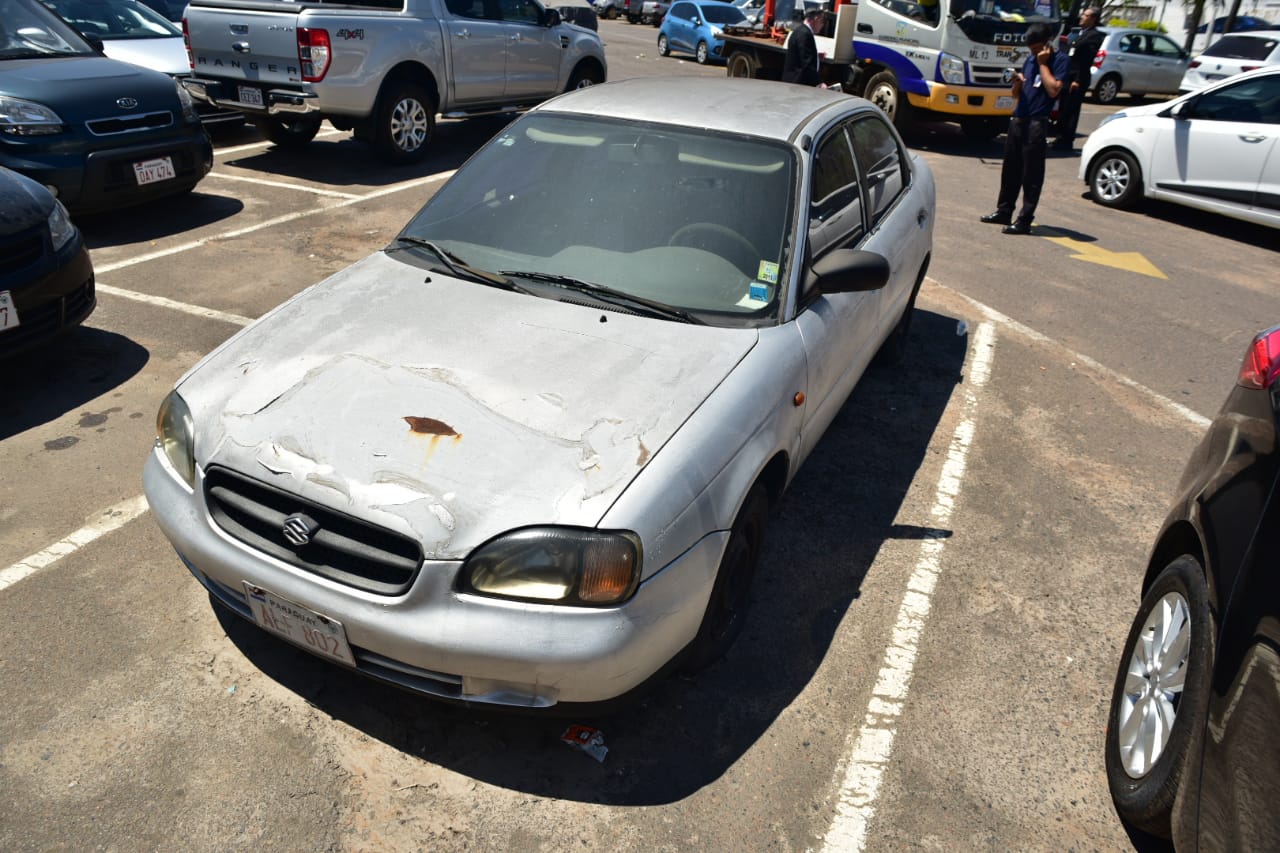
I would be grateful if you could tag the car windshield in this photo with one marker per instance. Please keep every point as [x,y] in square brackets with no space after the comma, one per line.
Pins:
[723,15]
[1242,47]
[112,20]
[28,29]
[685,218]
[1005,10]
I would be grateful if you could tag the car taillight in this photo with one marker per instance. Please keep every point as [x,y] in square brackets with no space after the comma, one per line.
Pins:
[313,53]
[1195,63]
[1098,57]
[186,42]
[1244,68]
[1262,360]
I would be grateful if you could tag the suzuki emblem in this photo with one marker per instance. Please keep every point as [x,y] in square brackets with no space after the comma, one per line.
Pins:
[298,530]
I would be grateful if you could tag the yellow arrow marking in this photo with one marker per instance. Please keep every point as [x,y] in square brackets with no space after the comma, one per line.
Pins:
[1094,254]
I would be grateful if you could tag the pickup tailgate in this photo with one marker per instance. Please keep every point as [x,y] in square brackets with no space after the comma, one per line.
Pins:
[254,42]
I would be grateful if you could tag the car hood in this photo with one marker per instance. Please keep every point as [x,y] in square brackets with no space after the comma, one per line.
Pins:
[167,55]
[23,202]
[84,87]
[447,410]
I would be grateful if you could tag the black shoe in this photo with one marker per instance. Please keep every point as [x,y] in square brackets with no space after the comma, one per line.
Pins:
[1017,228]
[997,218]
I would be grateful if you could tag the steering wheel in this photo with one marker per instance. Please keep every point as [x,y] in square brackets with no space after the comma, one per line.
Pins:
[749,256]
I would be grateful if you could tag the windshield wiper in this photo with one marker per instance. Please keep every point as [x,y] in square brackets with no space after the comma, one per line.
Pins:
[614,297]
[459,268]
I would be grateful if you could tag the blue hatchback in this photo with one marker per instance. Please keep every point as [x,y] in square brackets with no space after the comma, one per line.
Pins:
[698,27]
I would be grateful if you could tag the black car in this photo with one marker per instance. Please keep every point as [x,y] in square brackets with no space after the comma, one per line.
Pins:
[103,134]
[46,278]
[1193,738]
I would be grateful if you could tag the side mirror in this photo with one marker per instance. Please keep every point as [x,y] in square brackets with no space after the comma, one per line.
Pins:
[1181,110]
[95,43]
[550,18]
[849,271]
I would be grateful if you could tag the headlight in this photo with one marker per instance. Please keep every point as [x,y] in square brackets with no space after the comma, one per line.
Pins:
[951,68]
[184,98]
[716,32]
[1111,117]
[558,565]
[174,436]
[60,228]
[27,118]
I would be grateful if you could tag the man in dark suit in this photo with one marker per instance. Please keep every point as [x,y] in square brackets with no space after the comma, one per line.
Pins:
[1082,53]
[801,64]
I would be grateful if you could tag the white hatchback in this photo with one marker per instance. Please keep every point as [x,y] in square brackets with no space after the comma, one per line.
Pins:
[1231,55]
[1214,149]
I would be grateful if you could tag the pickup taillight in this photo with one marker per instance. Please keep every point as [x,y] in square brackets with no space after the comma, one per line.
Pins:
[313,53]
[186,42]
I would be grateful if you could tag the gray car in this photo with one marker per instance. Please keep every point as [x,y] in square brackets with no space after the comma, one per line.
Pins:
[1137,62]
[525,455]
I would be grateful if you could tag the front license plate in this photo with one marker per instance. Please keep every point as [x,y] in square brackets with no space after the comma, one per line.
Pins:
[1004,102]
[8,312]
[313,631]
[250,96]
[152,171]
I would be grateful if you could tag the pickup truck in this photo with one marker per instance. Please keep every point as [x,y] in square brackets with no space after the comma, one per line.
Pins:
[383,68]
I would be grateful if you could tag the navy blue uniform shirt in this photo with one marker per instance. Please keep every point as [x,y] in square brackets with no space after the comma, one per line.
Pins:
[1034,102]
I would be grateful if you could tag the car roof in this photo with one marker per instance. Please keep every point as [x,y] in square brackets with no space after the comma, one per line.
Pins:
[739,105]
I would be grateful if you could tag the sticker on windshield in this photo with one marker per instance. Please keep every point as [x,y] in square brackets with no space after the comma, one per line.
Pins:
[757,296]
[768,272]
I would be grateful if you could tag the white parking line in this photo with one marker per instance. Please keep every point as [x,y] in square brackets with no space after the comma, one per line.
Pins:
[271,223]
[108,520]
[162,302]
[254,146]
[864,768]
[282,184]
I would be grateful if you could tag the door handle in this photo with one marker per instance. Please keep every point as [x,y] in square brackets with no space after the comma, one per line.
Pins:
[922,217]
[463,34]
[514,37]
[1252,137]
[240,47]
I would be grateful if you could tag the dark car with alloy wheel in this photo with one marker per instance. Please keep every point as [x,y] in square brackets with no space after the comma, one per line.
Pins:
[101,133]
[1193,737]
[46,278]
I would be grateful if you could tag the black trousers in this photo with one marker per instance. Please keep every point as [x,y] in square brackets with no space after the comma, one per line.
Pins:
[1023,168]
[1069,113]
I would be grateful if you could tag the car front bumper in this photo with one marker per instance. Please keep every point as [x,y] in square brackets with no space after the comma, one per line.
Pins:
[447,644]
[57,295]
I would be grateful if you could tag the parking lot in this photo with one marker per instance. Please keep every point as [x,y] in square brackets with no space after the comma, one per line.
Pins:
[935,630]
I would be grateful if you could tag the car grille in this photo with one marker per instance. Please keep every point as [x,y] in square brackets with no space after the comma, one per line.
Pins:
[988,75]
[369,663]
[48,319]
[21,250]
[342,549]
[129,124]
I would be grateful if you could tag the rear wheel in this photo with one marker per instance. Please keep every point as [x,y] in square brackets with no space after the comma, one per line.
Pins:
[1115,179]
[291,133]
[404,122]
[664,46]
[1158,701]
[727,610]
[741,64]
[611,13]
[1107,89]
[702,54]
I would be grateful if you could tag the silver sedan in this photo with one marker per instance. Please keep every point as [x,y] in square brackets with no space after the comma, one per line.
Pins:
[525,454]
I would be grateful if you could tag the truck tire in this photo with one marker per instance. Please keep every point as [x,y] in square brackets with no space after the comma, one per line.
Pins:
[741,64]
[289,133]
[404,123]
[882,90]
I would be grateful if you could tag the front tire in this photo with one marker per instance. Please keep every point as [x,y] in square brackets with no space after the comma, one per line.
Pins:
[584,76]
[404,123]
[1158,702]
[882,90]
[664,46]
[1115,179]
[291,134]
[702,54]
[1107,89]
[730,597]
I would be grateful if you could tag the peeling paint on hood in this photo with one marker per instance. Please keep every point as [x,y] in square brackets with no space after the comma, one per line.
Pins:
[451,411]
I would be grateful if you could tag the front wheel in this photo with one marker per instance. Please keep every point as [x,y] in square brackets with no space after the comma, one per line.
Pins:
[664,46]
[727,609]
[702,54]
[584,76]
[1115,179]
[1158,701]
[405,121]
[882,90]
[290,133]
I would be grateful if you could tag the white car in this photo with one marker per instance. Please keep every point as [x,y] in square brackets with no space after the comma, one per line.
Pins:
[525,454]
[1232,54]
[1215,150]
